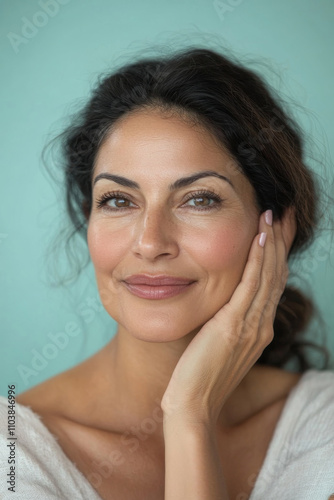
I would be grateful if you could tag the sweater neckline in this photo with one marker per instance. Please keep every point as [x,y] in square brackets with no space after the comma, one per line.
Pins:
[51,440]
[279,443]
[273,455]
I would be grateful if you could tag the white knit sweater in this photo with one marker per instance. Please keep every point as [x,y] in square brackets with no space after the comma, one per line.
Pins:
[299,464]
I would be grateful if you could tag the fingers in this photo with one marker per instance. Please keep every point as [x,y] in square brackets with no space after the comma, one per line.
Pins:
[263,302]
[276,280]
[244,293]
[273,280]
[256,298]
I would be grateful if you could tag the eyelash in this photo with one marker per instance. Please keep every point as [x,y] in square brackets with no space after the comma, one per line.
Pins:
[102,200]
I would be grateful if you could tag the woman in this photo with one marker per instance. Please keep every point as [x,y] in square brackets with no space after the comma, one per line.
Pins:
[187,178]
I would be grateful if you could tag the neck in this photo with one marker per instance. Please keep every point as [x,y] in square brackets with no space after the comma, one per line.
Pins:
[143,369]
[138,376]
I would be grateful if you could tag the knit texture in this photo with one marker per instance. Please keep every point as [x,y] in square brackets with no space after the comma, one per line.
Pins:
[43,471]
[299,463]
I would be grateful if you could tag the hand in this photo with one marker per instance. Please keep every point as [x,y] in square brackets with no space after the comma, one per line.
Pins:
[229,344]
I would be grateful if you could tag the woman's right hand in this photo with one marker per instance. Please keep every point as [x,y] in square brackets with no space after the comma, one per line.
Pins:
[229,344]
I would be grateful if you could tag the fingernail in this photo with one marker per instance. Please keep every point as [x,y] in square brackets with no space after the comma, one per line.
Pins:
[268,215]
[262,239]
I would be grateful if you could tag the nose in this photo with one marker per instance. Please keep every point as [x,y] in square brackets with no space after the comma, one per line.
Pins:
[155,235]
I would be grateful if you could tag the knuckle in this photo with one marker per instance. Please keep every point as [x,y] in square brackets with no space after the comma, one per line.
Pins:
[285,268]
[271,279]
[267,310]
[269,335]
[258,259]
[253,284]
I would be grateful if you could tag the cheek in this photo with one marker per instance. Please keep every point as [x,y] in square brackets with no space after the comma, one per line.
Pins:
[222,256]
[225,249]
[105,249]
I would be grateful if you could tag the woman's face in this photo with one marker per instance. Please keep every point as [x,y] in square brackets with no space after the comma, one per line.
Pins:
[152,229]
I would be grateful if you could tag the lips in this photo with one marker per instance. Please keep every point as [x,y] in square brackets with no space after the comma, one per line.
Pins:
[158,280]
[156,287]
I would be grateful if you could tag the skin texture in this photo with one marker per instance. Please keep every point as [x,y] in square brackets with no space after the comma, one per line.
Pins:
[162,233]
[159,237]
[186,363]
[241,330]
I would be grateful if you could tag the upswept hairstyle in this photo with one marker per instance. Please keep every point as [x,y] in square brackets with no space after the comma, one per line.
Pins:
[235,105]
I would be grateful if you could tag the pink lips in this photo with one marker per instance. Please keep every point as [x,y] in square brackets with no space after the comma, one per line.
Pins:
[156,287]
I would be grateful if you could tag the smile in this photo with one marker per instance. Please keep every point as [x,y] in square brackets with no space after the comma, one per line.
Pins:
[156,292]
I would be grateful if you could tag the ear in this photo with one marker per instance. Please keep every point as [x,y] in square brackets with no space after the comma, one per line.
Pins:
[289,227]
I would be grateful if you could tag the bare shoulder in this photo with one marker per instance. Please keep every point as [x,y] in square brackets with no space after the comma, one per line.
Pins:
[60,394]
[278,374]
[87,445]
[270,385]
[58,401]
[265,387]
[53,395]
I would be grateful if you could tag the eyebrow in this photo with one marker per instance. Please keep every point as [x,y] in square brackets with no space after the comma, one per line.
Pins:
[180,183]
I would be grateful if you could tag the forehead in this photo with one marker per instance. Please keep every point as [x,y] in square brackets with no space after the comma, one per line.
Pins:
[149,145]
[151,136]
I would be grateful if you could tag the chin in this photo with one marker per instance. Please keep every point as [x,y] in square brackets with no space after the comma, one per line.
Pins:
[158,330]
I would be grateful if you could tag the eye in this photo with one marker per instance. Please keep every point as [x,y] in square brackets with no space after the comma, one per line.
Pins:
[121,201]
[205,196]
[114,195]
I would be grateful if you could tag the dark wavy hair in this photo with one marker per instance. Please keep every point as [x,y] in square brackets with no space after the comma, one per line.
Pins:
[233,103]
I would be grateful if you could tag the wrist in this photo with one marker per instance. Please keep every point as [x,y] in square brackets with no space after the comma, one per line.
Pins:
[192,413]
[187,421]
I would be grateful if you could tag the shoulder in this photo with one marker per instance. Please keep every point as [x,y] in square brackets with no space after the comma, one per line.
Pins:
[11,410]
[299,462]
[313,404]
[26,426]
[44,471]
[72,394]
[62,394]
[307,423]
[268,385]
[314,394]
[27,443]
[51,396]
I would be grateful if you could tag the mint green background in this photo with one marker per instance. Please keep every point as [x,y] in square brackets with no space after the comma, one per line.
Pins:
[49,75]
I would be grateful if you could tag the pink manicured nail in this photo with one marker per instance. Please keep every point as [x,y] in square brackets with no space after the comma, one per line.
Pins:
[268,215]
[262,239]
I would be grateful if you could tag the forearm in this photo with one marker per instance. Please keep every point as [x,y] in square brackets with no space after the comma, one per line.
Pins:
[192,464]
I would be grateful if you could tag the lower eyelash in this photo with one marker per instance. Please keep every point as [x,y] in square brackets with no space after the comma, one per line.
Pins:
[206,194]
[118,195]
